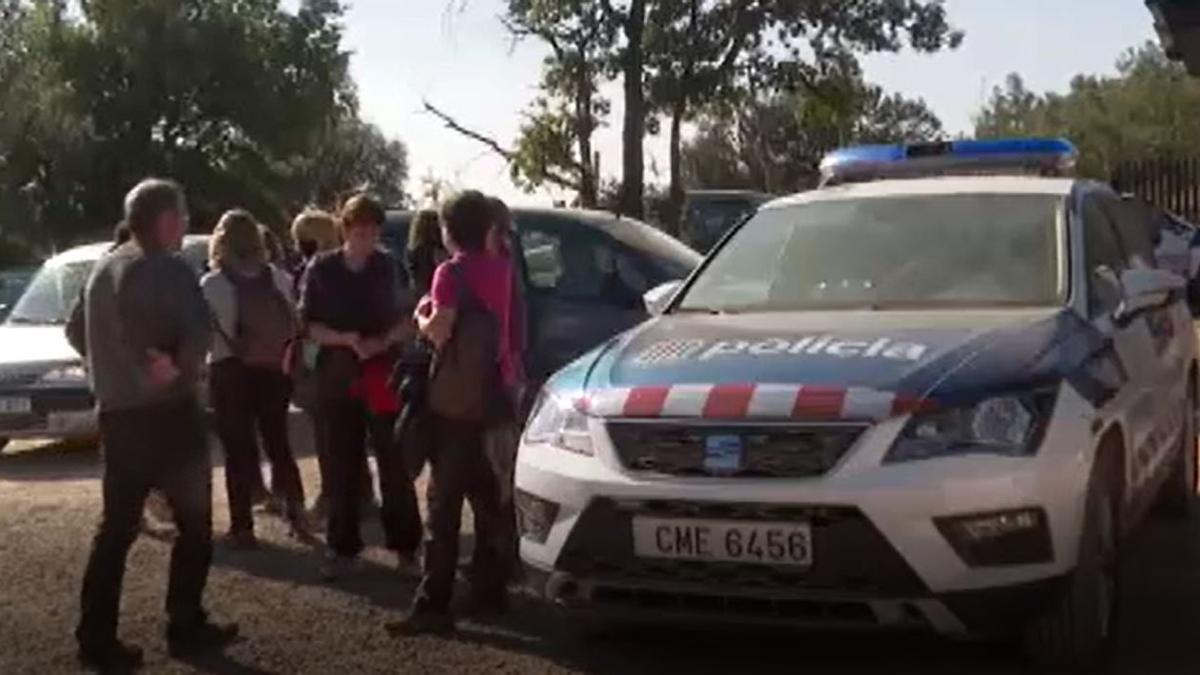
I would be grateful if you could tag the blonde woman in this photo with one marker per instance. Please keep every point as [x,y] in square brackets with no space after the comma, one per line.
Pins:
[254,321]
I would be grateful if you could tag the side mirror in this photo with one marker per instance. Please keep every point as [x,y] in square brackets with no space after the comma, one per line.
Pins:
[1143,289]
[657,298]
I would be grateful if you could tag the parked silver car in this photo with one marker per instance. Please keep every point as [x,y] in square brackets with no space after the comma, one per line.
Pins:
[43,386]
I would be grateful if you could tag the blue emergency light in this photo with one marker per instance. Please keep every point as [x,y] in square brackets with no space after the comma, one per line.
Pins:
[1038,156]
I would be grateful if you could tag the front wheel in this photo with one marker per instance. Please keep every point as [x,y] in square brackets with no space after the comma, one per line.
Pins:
[1077,630]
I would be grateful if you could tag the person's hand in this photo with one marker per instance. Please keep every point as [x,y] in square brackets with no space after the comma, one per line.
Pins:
[370,347]
[161,368]
[424,307]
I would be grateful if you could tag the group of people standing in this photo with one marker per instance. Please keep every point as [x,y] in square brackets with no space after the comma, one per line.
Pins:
[424,372]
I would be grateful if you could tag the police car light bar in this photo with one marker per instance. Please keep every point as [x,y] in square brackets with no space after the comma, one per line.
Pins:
[1039,156]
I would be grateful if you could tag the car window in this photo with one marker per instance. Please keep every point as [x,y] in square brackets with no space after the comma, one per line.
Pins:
[893,251]
[576,263]
[1133,229]
[52,293]
[1102,251]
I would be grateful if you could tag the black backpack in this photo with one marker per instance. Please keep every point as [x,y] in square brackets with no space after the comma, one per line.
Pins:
[465,383]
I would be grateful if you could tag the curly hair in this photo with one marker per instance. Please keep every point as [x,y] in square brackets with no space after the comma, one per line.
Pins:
[236,239]
[316,226]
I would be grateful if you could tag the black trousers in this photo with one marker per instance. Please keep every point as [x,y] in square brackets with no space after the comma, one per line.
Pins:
[250,403]
[460,470]
[162,447]
[349,426]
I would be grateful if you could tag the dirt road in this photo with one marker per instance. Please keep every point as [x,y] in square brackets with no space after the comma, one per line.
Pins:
[293,623]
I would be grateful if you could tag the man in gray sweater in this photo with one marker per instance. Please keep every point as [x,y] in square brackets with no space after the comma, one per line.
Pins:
[147,333]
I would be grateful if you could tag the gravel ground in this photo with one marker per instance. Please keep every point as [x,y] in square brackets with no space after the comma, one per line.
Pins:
[293,623]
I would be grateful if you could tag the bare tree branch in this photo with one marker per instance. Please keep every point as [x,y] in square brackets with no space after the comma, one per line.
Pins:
[508,155]
[454,125]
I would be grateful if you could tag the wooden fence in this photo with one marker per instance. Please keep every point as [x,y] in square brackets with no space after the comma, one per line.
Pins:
[1173,184]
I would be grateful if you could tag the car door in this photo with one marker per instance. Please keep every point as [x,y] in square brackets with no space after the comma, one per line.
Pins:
[1170,332]
[1107,257]
[582,287]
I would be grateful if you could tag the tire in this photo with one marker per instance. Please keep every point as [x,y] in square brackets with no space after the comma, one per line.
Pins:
[1077,631]
[1178,496]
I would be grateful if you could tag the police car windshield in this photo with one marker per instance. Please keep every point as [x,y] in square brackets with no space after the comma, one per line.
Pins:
[888,252]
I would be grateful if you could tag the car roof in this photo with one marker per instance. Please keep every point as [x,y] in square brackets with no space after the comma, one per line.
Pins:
[92,252]
[622,228]
[726,193]
[940,185]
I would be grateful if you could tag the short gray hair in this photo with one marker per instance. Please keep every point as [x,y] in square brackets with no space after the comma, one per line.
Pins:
[148,200]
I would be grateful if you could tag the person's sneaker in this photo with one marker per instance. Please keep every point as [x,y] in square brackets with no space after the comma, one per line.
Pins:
[201,636]
[240,540]
[115,657]
[336,567]
[421,623]
[301,530]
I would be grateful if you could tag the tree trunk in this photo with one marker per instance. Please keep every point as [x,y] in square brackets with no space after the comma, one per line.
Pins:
[584,126]
[633,163]
[674,222]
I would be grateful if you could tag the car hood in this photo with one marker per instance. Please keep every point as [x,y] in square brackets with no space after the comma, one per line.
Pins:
[23,345]
[946,355]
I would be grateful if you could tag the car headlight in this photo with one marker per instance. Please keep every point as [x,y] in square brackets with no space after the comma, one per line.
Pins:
[72,374]
[557,420]
[1009,426]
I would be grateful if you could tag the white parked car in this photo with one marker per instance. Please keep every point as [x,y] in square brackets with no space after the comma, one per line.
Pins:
[43,386]
[925,395]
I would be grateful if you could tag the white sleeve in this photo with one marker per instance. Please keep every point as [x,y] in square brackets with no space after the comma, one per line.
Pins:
[222,302]
[283,282]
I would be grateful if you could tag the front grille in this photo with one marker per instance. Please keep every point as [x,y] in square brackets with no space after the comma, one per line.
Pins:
[849,554]
[677,449]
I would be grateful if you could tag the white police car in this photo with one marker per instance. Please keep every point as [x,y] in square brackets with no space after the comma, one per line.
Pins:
[927,394]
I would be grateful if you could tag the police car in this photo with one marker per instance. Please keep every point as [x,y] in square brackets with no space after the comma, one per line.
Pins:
[936,392]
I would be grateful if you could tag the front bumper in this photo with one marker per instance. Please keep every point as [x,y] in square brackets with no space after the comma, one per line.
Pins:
[988,612]
[879,559]
[54,412]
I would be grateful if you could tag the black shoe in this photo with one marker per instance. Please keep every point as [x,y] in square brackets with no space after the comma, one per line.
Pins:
[421,623]
[240,540]
[115,657]
[486,606]
[200,637]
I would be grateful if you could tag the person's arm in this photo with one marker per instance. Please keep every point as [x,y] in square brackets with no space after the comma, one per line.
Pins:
[314,304]
[438,323]
[193,320]
[221,299]
[76,328]
[398,308]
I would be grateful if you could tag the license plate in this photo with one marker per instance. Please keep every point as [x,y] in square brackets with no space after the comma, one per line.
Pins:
[15,406]
[768,543]
[65,422]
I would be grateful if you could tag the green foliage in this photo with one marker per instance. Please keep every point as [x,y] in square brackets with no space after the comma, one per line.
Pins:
[241,101]
[1147,110]
[775,143]
[555,143]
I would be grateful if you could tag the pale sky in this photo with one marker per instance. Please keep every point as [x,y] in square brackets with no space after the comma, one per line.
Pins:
[463,61]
